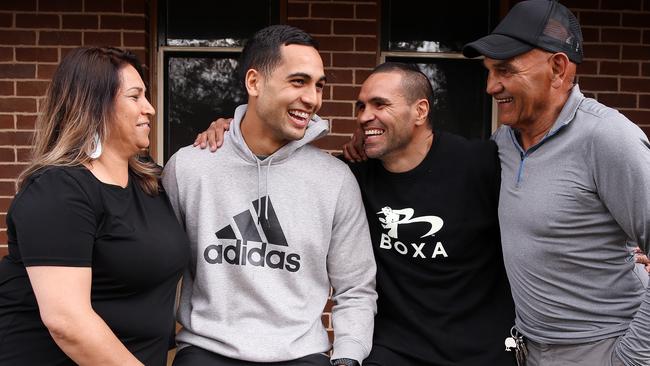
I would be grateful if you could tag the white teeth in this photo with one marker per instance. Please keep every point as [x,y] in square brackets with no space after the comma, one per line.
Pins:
[373,132]
[299,114]
[504,100]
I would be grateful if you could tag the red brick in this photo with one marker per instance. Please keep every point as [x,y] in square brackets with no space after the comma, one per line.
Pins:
[591,34]
[298,10]
[16,37]
[646,129]
[5,202]
[9,171]
[331,142]
[346,92]
[598,83]
[327,91]
[333,43]
[618,100]
[45,71]
[366,11]
[619,68]
[104,6]
[599,18]
[602,51]
[578,4]
[31,88]
[7,88]
[335,11]
[7,189]
[6,121]
[16,138]
[354,60]
[103,39]
[588,67]
[6,54]
[366,44]
[327,59]
[336,109]
[3,249]
[645,69]
[135,6]
[132,22]
[361,75]
[6,20]
[339,76]
[17,105]
[355,27]
[61,5]
[37,21]
[60,38]
[340,125]
[73,21]
[17,71]
[7,155]
[644,101]
[23,155]
[636,52]
[25,121]
[37,54]
[636,20]
[621,35]
[638,117]
[18,5]
[621,4]
[646,36]
[313,26]
[635,84]
[132,39]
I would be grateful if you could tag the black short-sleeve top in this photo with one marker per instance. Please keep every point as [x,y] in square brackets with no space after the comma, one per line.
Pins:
[64,216]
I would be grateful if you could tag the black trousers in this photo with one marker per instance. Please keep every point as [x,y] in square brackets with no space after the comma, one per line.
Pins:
[195,356]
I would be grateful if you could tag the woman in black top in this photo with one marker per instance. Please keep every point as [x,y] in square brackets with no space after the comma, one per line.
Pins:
[95,251]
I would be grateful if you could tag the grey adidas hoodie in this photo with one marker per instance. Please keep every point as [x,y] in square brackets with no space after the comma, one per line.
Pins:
[268,239]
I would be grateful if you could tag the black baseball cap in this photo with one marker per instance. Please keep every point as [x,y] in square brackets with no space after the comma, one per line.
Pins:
[544,24]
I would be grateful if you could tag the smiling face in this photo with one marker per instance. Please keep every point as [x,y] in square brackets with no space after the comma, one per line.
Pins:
[285,99]
[385,115]
[129,129]
[521,87]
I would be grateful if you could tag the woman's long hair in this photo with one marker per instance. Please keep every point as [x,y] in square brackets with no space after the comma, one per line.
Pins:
[79,105]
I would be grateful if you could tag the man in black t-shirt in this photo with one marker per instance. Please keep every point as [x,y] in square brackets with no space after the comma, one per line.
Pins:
[431,201]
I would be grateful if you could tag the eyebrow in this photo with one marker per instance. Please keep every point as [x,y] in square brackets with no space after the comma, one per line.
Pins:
[306,76]
[136,88]
[374,100]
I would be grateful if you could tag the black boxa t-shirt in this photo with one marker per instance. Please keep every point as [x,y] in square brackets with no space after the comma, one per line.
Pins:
[137,249]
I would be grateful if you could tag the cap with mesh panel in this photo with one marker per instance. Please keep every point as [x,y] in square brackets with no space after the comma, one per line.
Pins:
[544,24]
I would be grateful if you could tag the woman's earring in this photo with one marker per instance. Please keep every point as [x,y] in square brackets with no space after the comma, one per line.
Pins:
[98,148]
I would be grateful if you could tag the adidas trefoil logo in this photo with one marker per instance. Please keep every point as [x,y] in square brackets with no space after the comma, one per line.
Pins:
[254,237]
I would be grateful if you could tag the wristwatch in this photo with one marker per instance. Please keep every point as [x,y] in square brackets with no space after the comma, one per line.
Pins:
[344,361]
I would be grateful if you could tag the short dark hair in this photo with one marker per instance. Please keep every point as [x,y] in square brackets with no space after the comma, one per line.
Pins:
[262,51]
[415,84]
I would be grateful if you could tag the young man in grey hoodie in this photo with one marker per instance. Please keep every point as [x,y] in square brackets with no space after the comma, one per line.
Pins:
[273,223]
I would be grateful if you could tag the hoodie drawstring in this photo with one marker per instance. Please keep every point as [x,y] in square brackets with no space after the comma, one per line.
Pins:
[259,190]
[259,197]
[266,203]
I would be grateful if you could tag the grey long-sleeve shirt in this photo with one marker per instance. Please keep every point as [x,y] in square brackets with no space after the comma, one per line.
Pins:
[568,206]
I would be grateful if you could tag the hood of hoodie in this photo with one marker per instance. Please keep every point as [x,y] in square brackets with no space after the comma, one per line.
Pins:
[316,129]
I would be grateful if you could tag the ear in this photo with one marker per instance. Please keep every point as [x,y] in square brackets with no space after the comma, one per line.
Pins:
[422,111]
[560,66]
[253,80]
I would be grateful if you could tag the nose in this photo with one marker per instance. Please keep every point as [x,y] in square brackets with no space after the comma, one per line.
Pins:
[147,108]
[312,97]
[365,115]
[494,85]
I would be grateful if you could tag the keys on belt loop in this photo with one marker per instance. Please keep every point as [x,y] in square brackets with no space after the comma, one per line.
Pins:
[517,343]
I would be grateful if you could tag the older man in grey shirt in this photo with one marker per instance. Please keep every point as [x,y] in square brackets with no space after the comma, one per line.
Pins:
[575,191]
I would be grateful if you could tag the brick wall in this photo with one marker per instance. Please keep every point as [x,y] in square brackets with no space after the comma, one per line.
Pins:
[616,70]
[348,35]
[34,35]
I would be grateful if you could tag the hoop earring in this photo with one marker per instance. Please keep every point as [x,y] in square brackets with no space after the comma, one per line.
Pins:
[97,152]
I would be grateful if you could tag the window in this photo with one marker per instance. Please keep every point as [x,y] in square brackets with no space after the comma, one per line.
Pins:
[199,43]
[432,34]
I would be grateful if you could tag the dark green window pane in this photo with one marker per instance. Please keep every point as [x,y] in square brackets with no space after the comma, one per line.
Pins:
[216,23]
[435,26]
[462,106]
[199,89]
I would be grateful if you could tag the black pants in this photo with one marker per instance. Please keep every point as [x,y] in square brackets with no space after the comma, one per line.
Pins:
[195,356]
[381,356]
